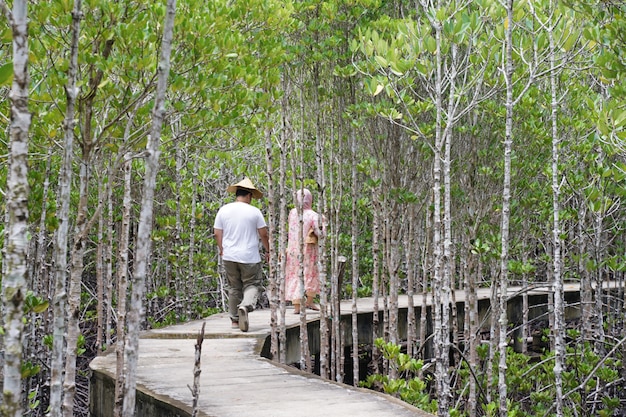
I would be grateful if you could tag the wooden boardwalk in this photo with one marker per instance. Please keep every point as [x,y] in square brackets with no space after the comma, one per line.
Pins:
[235,380]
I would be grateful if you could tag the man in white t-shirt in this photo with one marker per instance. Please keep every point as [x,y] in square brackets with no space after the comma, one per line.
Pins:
[238,227]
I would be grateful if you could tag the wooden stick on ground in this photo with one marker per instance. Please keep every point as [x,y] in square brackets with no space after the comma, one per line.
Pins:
[195,390]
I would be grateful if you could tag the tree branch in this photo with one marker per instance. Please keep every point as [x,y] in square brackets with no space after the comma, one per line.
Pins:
[6,11]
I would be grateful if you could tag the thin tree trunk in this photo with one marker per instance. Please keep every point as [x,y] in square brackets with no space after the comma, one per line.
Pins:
[322,265]
[109,258]
[283,219]
[122,285]
[337,181]
[76,272]
[448,300]
[60,258]
[493,329]
[410,272]
[550,281]
[338,330]
[40,280]
[506,207]
[190,283]
[273,289]
[16,230]
[586,290]
[384,294]
[525,309]
[472,302]
[559,300]
[355,264]
[179,285]
[393,263]
[426,260]
[599,302]
[305,359]
[449,295]
[100,250]
[131,348]
[81,230]
[38,272]
[376,282]
[440,306]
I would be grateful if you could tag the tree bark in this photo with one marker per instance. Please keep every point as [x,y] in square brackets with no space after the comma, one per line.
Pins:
[322,264]
[81,229]
[57,380]
[586,290]
[271,215]
[131,348]
[355,264]
[506,207]
[189,285]
[109,258]
[559,298]
[100,270]
[283,219]
[16,231]
[122,286]
[376,354]
[410,272]
[440,305]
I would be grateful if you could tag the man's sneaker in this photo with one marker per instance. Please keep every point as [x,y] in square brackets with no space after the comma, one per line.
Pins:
[243,319]
[234,324]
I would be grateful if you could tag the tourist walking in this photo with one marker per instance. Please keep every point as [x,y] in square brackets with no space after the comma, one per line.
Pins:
[238,227]
[313,227]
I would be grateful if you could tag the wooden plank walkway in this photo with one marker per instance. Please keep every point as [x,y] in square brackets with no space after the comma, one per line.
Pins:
[236,381]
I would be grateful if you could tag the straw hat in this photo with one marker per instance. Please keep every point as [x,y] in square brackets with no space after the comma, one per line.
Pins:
[246,184]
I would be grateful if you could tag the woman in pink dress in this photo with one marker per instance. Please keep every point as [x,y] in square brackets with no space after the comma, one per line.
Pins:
[311,231]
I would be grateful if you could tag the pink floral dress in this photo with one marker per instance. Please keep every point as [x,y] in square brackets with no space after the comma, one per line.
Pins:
[311,219]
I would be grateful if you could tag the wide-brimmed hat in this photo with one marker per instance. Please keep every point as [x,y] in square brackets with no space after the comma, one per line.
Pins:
[245,184]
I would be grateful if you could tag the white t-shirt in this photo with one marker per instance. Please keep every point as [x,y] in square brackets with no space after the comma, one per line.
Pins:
[240,222]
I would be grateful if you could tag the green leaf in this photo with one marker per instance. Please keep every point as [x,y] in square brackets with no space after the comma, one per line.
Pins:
[570,42]
[619,118]
[28,369]
[431,44]
[441,15]
[7,35]
[381,61]
[395,70]
[6,74]
[41,307]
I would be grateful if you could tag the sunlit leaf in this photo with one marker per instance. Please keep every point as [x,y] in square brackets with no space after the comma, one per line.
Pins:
[6,74]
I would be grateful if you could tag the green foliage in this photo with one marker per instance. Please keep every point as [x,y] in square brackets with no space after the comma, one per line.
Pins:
[28,369]
[530,381]
[6,74]
[170,318]
[47,341]
[407,386]
[33,401]
[80,345]
[34,304]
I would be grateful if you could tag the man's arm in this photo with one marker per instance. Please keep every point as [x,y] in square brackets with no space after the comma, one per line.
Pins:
[219,233]
[265,240]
